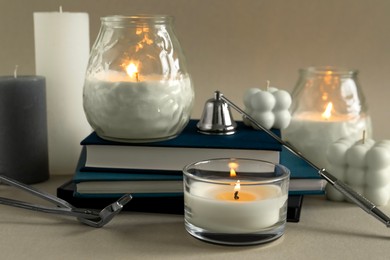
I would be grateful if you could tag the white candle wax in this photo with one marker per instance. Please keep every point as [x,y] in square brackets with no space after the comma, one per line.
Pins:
[311,134]
[120,107]
[365,166]
[212,208]
[269,108]
[61,56]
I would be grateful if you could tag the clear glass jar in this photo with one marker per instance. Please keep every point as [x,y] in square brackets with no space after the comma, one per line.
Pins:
[328,104]
[137,87]
[235,201]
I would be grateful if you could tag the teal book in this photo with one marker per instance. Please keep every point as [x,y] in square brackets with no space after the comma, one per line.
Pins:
[172,155]
[142,183]
[112,184]
[245,138]
[298,167]
[305,179]
[147,185]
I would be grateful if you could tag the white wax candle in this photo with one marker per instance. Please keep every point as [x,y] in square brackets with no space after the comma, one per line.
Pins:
[121,107]
[61,55]
[311,134]
[269,108]
[365,166]
[213,207]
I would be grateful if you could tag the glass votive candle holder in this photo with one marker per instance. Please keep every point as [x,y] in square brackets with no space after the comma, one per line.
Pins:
[235,201]
[137,87]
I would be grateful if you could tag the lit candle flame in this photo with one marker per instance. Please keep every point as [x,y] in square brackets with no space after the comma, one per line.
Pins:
[233,166]
[237,187]
[132,71]
[328,111]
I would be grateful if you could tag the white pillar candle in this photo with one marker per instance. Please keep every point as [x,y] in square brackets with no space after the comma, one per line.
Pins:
[214,208]
[61,55]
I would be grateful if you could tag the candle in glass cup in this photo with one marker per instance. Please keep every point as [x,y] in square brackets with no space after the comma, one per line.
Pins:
[214,207]
[248,207]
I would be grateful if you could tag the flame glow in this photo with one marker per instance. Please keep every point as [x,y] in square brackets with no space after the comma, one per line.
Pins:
[328,111]
[145,40]
[233,166]
[132,71]
[329,77]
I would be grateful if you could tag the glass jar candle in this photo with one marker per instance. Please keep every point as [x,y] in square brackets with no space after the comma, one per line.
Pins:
[235,201]
[328,104]
[137,87]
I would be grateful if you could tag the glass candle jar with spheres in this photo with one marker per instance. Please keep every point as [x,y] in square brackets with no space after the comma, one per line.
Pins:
[328,104]
[137,87]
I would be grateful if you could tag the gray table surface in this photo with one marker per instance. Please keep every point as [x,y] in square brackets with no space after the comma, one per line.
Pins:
[327,230]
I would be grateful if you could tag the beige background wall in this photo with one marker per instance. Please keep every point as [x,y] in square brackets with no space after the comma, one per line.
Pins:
[232,45]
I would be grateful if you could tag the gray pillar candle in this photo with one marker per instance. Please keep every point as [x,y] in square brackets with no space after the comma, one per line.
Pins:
[23,129]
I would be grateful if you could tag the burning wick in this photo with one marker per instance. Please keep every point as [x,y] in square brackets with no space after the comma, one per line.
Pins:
[236,197]
[236,190]
[233,166]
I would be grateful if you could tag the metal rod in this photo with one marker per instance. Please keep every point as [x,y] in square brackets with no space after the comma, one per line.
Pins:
[89,217]
[346,190]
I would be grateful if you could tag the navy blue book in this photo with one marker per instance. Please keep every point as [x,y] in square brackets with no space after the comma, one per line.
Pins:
[172,155]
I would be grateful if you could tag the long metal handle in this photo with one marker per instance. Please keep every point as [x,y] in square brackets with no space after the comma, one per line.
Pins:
[41,194]
[357,198]
[79,213]
[90,217]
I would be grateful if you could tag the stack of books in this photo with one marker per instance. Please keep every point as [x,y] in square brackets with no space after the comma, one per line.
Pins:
[152,172]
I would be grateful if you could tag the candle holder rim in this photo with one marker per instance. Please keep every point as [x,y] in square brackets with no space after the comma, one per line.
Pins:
[137,19]
[243,179]
[324,70]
